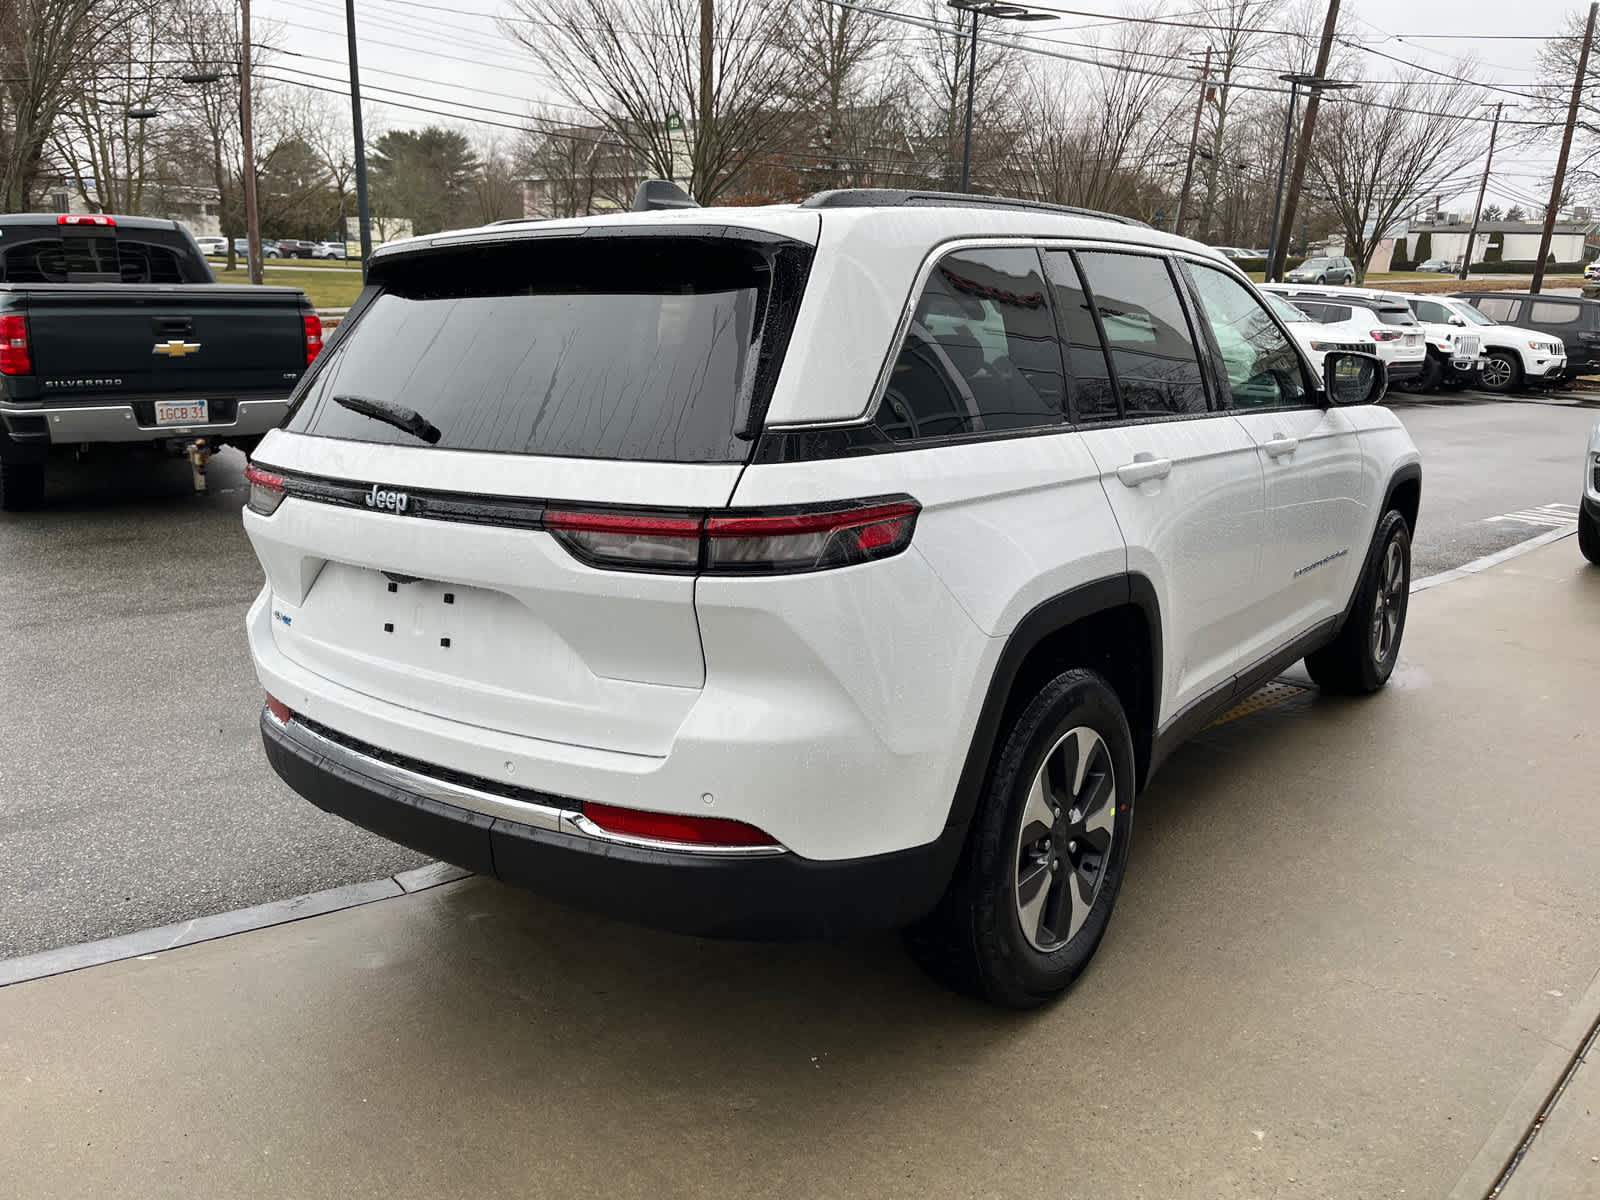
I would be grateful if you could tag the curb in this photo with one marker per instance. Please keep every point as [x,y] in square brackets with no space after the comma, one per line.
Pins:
[243,920]
[1537,542]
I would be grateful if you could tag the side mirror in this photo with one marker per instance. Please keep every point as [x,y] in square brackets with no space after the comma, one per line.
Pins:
[1354,378]
[1453,320]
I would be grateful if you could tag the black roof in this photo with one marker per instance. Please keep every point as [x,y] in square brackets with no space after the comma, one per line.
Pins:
[897,198]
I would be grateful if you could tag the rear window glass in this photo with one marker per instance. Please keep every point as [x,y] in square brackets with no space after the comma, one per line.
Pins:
[629,348]
[135,256]
[1552,312]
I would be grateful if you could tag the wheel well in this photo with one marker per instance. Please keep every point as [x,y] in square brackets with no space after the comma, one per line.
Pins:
[1406,499]
[1115,642]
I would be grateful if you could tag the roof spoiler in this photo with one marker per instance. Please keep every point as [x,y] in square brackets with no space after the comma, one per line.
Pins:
[661,193]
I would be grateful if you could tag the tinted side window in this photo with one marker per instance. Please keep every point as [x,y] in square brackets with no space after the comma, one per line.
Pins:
[1432,311]
[1152,353]
[1496,308]
[981,352]
[1093,396]
[1263,367]
[1553,312]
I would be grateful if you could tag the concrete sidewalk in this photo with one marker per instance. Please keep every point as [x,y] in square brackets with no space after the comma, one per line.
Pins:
[1358,947]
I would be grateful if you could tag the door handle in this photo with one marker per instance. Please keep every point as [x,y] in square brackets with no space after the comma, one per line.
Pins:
[1279,446]
[1144,467]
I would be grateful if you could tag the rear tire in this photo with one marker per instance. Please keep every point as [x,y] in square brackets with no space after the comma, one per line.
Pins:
[1502,372]
[21,486]
[1588,534]
[1362,655]
[1044,859]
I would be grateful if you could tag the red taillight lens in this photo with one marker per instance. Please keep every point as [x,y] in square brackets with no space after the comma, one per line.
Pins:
[266,490]
[85,219]
[313,337]
[736,543]
[639,540]
[809,541]
[15,357]
[1385,335]
[278,708]
[667,827]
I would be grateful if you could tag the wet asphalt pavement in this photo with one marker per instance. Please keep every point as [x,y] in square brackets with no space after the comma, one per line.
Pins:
[133,790]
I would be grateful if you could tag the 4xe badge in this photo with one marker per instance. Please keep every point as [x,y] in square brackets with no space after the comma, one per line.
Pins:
[395,502]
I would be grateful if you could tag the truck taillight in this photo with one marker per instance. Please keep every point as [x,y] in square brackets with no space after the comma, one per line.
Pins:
[313,337]
[738,543]
[266,490]
[86,219]
[15,356]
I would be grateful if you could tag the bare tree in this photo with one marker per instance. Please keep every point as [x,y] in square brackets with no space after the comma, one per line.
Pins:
[1372,162]
[495,194]
[938,70]
[663,85]
[1238,42]
[838,48]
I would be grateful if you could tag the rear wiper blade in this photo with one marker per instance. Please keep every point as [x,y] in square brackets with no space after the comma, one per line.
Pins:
[398,415]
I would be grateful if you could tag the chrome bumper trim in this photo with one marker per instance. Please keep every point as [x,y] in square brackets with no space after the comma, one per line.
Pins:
[116,422]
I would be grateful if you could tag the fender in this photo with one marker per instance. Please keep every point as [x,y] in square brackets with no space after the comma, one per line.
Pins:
[1050,617]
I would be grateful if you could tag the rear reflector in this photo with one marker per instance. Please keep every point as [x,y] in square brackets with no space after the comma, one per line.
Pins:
[15,356]
[278,708]
[748,543]
[85,219]
[313,337]
[667,827]
[266,490]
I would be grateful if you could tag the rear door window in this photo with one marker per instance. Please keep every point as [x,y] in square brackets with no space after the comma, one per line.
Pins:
[1552,312]
[1147,333]
[634,348]
[980,353]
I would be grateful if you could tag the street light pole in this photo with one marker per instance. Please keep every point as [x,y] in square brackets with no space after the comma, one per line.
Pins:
[363,215]
[1001,12]
[252,215]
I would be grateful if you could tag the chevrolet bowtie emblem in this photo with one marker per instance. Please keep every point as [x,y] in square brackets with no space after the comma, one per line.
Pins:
[176,349]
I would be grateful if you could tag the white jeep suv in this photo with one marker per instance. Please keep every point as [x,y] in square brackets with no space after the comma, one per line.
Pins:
[792,570]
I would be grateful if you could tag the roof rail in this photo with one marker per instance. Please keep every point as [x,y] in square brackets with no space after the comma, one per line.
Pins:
[898,198]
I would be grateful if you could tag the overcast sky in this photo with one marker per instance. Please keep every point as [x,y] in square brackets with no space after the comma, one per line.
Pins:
[450,57]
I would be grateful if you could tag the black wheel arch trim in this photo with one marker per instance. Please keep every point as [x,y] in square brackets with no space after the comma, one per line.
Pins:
[1045,619]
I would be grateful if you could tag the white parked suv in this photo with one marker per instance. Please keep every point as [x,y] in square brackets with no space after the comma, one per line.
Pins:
[810,568]
[1589,506]
[1397,336]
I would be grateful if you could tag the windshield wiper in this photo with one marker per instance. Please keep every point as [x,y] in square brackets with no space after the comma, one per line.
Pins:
[398,415]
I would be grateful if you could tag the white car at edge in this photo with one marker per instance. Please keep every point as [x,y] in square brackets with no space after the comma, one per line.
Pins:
[792,570]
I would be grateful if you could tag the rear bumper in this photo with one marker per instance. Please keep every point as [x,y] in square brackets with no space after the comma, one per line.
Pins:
[1405,370]
[544,843]
[75,424]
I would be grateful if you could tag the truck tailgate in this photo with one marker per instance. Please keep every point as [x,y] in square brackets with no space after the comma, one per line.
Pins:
[167,338]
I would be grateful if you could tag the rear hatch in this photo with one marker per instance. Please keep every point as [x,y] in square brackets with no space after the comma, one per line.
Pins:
[574,373]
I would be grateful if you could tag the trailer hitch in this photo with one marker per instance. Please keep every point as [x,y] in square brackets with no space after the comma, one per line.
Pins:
[199,452]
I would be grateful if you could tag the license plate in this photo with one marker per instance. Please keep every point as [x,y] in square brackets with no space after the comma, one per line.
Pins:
[180,412]
[1411,339]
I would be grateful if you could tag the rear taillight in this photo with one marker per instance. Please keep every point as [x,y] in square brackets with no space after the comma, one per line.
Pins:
[266,490]
[15,357]
[667,827]
[278,708]
[1385,335]
[738,543]
[313,337]
[86,219]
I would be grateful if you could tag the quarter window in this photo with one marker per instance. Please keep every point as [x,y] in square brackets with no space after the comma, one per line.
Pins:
[1546,312]
[981,353]
[1152,352]
[1263,368]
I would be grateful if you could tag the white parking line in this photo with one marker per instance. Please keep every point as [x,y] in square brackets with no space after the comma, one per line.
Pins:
[1550,516]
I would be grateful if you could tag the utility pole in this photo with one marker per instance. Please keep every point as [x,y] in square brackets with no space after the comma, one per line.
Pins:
[702,134]
[1477,211]
[252,215]
[972,79]
[1194,142]
[363,213]
[1303,150]
[1283,167]
[1566,148]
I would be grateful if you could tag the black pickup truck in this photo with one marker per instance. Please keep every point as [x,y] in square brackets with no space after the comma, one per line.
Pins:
[115,334]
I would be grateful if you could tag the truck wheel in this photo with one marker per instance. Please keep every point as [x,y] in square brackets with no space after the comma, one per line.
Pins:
[1501,372]
[1588,534]
[1044,859]
[1362,655]
[21,486]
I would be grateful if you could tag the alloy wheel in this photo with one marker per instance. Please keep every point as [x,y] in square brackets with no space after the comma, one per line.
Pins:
[1388,604]
[1497,373]
[1064,839]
